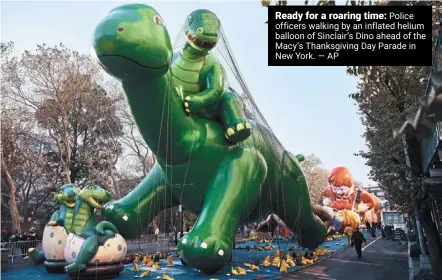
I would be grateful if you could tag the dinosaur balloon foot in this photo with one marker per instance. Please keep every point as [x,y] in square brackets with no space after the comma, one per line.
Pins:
[239,132]
[205,251]
[36,256]
[75,267]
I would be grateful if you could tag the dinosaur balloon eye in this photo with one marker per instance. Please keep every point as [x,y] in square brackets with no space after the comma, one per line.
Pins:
[158,20]
[91,187]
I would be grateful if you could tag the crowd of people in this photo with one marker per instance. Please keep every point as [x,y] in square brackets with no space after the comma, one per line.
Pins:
[15,236]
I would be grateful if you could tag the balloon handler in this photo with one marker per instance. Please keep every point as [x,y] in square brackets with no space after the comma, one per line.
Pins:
[93,250]
[56,231]
[356,239]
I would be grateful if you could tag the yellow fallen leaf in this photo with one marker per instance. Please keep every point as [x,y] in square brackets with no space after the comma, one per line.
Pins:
[166,277]
[144,274]
[170,260]
[291,262]
[266,263]
[284,266]
[136,267]
[277,254]
[241,271]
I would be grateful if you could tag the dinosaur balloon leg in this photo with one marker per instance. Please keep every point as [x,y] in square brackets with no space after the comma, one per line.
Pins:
[291,201]
[243,166]
[141,205]
[233,117]
[36,256]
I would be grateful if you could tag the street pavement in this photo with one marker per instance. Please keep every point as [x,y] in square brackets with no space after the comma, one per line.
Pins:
[381,259]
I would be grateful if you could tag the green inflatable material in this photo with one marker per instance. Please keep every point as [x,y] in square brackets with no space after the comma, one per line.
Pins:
[65,197]
[89,199]
[197,167]
[200,78]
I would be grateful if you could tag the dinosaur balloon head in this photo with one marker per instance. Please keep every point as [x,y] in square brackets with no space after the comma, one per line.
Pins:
[341,180]
[66,195]
[132,41]
[202,29]
[95,196]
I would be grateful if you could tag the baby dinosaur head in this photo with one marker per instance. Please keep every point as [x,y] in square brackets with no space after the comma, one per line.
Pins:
[66,195]
[202,29]
[95,196]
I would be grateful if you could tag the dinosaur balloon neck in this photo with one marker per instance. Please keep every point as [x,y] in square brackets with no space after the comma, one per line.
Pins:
[168,126]
[143,67]
[192,54]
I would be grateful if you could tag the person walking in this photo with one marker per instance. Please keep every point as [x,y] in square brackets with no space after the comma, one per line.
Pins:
[373,230]
[356,239]
[367,225]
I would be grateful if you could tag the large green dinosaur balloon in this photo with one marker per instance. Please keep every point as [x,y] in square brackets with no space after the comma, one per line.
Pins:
[85,226]
[65,197]
[196,166]
[200,78]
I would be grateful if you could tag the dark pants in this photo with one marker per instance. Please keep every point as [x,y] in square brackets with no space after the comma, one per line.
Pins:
[358,248]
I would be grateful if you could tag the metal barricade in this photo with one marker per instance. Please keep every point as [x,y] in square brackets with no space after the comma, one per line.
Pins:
[20,248]
[147,238]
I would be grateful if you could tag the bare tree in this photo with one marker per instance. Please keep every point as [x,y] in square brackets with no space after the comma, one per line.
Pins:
[316,176]
[8,64]
[59,125]
[137,152]
[63,89]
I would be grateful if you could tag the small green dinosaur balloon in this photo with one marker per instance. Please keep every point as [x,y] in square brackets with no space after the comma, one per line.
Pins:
[84,224]
[65,197]
[201,79]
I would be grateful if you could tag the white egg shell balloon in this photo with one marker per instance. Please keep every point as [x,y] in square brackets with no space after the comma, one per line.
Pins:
[53,242]
[112,251]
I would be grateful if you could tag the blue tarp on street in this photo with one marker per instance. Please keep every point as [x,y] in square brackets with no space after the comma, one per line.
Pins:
[182,272]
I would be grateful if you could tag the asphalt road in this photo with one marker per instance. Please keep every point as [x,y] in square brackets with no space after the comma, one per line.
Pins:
[381,259]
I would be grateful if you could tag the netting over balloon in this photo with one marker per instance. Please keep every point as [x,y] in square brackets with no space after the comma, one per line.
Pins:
[236,81]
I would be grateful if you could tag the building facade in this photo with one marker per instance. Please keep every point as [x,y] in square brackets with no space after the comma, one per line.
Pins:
[376,190]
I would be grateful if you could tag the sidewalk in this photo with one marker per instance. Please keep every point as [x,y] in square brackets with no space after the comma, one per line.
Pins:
[381,259]
[414,263]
